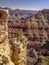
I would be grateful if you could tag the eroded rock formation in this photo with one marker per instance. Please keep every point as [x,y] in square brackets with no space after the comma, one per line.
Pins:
[36,29]
[5,51]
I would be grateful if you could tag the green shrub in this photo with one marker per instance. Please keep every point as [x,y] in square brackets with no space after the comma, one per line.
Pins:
[45,61]
[5,59]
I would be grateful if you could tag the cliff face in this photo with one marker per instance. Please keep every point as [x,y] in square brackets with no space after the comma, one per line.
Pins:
[5,51]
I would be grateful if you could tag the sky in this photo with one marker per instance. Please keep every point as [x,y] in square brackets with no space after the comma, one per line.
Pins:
[25,4]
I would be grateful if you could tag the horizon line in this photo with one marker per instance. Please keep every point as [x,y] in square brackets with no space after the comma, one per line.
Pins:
[24,9]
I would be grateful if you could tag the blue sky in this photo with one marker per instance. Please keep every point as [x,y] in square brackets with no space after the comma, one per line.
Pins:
[25,4]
